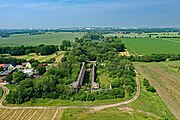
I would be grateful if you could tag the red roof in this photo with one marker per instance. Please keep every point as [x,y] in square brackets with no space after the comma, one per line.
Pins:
[42,65]
[2,65]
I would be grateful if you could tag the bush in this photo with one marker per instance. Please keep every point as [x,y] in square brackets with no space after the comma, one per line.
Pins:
[148,86]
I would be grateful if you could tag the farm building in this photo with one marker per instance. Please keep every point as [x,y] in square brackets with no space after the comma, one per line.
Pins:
[7,66]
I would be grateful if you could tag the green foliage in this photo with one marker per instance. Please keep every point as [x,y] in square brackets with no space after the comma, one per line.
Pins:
[154,57]
[10,60]
[24,50]
[56,82]
[65,45]
[9,78]
[148,86]
[1,92]
[35,64]
[41,70]
[19,76]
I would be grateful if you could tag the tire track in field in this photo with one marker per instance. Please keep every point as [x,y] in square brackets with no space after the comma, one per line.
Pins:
[170,40]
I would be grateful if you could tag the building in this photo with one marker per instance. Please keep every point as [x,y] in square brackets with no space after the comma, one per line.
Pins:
[7,66]
[27,65]
[29,72]
[6,69]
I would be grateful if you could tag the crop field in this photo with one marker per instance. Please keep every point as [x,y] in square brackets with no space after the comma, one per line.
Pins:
[147,46]
[172,65]
[30,114]
[165,81]
[48,38]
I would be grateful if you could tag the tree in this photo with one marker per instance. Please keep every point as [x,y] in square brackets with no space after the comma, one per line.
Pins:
[35,64]
[41,70]
[9,78]
[19,76]
[1,68]
[66,43]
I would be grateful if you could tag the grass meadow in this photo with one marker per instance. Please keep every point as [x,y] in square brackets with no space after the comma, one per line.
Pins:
[32,40]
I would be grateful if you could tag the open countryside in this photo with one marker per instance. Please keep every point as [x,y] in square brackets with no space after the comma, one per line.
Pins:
[47,38]
[89,60]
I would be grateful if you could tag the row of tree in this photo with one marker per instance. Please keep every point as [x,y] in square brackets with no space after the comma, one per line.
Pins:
[148,86]
[25,50]
[14,61]
[154,57]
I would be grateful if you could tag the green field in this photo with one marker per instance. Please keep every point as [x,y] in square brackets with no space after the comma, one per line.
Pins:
[147,46]
[1,92]
[48,38]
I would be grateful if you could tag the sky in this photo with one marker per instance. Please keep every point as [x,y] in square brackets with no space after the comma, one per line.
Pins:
[89,13]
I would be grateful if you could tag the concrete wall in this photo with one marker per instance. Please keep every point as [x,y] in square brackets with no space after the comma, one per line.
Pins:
[81,75]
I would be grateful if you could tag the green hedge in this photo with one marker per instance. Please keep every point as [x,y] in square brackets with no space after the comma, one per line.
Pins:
[1,92]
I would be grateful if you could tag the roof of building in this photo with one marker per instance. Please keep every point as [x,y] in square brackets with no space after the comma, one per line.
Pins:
[29,72]
[6,72]
[2,65]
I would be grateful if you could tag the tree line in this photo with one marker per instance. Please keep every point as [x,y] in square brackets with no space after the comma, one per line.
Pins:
[25,50]
[154,57]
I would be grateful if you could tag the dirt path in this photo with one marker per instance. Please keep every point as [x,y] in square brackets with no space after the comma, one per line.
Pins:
[93,108]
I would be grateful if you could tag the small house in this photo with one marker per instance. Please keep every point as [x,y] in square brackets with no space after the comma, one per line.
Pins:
[29,72]
[7,66]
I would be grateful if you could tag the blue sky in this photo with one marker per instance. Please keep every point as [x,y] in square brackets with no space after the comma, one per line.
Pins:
[89,13]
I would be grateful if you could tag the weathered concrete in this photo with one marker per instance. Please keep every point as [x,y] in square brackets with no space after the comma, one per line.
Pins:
[94,84]
[77,85]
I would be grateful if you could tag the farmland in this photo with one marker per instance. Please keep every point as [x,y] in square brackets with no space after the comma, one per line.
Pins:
[31,40]
[165,81]
[30,114]
[147,46]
